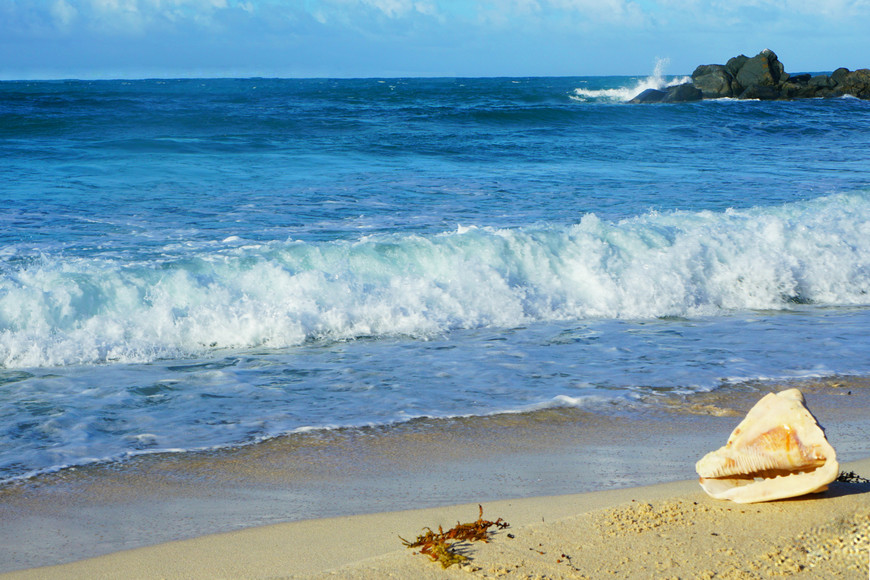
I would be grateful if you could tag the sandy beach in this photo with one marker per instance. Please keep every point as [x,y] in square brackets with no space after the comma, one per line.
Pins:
[86,522]
[667,531]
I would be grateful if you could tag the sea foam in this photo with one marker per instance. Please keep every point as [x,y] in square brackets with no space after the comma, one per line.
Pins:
[657,80]
[61,311]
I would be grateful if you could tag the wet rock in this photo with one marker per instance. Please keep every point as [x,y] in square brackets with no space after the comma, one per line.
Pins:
[683,93]
[763,93]
[650,96]
[677,94]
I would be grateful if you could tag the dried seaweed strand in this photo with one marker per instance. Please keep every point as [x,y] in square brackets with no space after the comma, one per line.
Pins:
[441,547]
[851,477]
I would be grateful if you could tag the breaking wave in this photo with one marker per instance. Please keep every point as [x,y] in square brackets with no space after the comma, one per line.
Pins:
[56,310]
[657,80]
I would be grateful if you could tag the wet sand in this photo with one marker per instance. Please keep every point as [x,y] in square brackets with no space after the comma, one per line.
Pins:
[667,530]
[346,494]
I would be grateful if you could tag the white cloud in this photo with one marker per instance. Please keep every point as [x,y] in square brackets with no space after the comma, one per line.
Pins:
[604,10]
[783,9]
[592,6]
[504,12]
[340,10]
[119,16]
[426,8]
[831,9]
[64,13]
[140,16]
[392,8]
[562,13]
[114,15]
[115,6]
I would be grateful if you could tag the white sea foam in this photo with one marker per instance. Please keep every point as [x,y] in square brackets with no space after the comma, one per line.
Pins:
[58,311]
[657,80]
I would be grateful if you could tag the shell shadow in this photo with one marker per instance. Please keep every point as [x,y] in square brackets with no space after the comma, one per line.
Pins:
[843,488]
[835,489]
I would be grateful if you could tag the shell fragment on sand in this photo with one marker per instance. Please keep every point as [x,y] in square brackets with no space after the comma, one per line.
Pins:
[777,451]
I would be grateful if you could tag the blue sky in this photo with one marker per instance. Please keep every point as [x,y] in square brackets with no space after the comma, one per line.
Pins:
[390,38]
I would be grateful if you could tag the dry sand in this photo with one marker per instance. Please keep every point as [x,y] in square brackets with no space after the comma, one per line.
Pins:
[662,531]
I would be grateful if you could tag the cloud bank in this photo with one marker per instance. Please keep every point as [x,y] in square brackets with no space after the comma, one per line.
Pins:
[381,37]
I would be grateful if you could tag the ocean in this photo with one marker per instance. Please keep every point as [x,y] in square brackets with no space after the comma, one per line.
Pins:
[191,265]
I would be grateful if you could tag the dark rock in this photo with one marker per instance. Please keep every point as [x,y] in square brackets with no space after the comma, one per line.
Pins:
[650,96]
[838,75]
[856,83]
[790,90]
[800,79]
[713,80]
[676,94]
[826,93]
[763,70]
[764,93]
[821,82]
[735,64]
[776,67]
[683,93]
[800,90]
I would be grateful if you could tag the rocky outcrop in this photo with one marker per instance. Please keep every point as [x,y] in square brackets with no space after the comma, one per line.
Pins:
[760,77]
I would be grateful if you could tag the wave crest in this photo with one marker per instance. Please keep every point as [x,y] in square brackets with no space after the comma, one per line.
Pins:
[57,311]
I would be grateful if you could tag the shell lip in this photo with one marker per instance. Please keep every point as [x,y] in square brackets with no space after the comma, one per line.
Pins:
[763,474]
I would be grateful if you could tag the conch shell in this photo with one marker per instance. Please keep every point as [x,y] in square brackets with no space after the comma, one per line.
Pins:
[778,451]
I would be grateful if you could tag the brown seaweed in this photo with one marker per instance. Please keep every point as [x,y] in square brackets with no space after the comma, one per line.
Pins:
[443,546]
[851,477]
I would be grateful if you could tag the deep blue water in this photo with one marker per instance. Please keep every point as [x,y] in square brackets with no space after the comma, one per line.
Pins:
[195,263]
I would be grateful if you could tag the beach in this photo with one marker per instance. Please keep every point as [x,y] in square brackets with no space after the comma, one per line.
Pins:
[656,520]
[342,306]
[669,530]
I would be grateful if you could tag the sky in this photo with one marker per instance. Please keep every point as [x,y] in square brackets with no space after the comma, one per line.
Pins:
[89,39]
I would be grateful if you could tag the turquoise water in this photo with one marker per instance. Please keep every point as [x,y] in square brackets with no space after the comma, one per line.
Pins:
[189,264]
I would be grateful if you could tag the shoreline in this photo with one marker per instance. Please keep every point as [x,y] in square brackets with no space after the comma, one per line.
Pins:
[544,458]
[667,528]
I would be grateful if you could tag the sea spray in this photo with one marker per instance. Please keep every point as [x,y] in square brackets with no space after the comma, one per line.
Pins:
[657,80]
